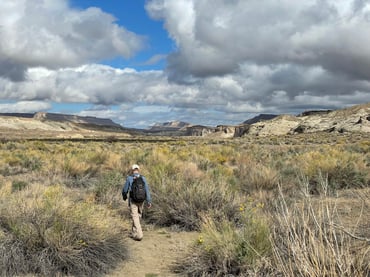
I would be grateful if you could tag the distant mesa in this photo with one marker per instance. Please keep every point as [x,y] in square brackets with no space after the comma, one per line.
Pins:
[170,124]
[352,119]
[21,115]
[43,116]
[169,128]
[89,120]
[53,122]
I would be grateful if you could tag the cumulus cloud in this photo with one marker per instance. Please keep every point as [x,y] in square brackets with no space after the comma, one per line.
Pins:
[215,37]
[99,85]
[148,97]
[53,35]
[24,107]
[233,59]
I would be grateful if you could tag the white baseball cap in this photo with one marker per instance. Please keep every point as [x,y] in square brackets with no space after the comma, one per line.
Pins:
[135,166]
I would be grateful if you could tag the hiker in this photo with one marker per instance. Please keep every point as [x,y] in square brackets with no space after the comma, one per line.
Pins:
[137,188]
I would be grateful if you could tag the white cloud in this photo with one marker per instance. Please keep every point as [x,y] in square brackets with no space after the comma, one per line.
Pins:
[24,107]
[53,35]
[148,96]
[233,58]
[222,35]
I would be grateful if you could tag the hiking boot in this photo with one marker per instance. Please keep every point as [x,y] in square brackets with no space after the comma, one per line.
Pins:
[131,236]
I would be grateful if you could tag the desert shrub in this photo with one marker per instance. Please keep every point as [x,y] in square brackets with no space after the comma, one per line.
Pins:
[190,171]
[43,232]
[137,155]
[77,167]
[258,177]
[40,145]
[19,162]
[18,185]
[159,171]
[97,157]
[342,169]
[204,164]
[254,175]
[310,240]
[180,203]
[28,161]
[226,248]
[79,170]
[114,161]
[5,170]
[9,145]
[346,176]
[6,188]
[108,188]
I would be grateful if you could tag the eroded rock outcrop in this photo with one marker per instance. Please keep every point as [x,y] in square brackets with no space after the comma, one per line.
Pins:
[352,119]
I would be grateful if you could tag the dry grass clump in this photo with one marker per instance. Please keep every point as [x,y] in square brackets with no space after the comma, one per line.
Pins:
[258,177]
[312,238]
[82,164]
[43,232]
[226,248]
[182,204]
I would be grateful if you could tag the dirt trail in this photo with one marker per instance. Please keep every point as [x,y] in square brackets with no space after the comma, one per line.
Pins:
[154,255]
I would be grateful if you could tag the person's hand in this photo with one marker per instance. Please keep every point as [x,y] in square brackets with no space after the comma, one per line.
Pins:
[149,205]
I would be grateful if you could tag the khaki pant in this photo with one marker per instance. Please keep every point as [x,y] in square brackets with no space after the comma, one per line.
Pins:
[136,210]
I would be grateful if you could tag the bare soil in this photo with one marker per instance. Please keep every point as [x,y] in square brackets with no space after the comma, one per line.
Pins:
[155,254]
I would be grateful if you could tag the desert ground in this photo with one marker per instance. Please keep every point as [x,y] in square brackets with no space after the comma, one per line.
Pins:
[252,206]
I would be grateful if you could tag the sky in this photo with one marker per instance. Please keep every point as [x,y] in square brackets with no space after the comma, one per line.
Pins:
[207,62]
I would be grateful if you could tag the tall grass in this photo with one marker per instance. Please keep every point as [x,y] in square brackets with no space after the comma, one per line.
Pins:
[311,238]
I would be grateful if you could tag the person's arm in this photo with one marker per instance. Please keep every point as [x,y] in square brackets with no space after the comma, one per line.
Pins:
[126,188]
[147,191]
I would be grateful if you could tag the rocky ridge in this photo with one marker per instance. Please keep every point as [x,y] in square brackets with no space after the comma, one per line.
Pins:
[57,125]
[51,121]
[351,119]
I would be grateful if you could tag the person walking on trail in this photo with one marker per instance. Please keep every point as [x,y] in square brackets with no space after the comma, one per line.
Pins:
[137,189]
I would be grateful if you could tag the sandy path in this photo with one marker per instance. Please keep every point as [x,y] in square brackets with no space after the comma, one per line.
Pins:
[154,255]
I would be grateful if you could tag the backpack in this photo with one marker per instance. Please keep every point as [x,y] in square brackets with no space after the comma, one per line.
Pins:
[138,193]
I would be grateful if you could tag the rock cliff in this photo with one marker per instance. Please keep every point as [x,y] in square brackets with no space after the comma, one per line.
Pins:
[352,119]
